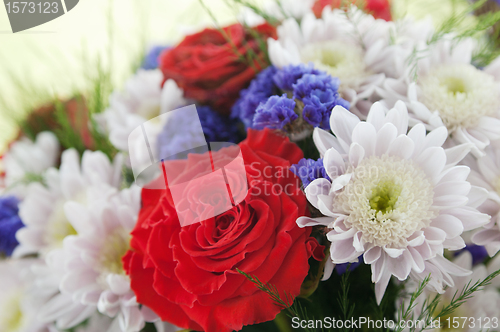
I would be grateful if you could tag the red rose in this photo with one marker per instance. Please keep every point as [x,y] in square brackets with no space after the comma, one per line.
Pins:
[188,275]
[378,8]
[208,67]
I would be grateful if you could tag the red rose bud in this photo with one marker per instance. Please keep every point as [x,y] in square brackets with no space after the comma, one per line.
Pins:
[189,275]
[378,8]
[212,70]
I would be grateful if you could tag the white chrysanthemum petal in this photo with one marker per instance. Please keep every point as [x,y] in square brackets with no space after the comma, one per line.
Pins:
[329,266]
[457,153]
[342,123]
[324,141]
[399,117]
[401,265]
[385,136]
[372,255]
[417,260]
[401,147]
[393,252]
[343,251]
[334,163]
[432,162]
[356,155]
[455,243]
[451,225]
[316,188]
[306,221]
[325,206]
[477,196]
[377,116]
[365,135]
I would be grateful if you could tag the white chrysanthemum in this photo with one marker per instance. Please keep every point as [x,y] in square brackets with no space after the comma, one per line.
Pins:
[450,91]
[18,306]
[89,265]
[58,309]
[43,209]
[26,161]
[483,306]
[352,46]
[396,197]
[486,173]
[142,100]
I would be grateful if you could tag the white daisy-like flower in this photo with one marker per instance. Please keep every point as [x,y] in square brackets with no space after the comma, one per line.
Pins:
[352,46]
[26,161]
[486,173]
[18,307]
[450,91]
[43,209]
[89,264]
[396,197]
[481,310]
[59,310]
[143,99]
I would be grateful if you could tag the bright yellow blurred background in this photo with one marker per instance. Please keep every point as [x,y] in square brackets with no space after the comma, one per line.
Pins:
[48,60]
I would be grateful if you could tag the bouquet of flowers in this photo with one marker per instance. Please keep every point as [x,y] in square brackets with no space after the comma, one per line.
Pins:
[319,166]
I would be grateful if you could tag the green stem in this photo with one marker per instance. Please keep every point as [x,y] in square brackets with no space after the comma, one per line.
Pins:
[282,322]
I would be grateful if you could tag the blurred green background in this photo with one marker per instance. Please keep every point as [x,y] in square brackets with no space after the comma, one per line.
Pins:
[54,59]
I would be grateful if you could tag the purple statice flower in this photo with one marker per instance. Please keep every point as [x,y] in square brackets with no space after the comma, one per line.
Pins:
[275,113]
[478,253]
[289,75]
[309,82]
[10,223]
[261,88]
[319,93]
[181,132]
[151,59]
[309,170]
[342,268]
[318,106]
[218,127]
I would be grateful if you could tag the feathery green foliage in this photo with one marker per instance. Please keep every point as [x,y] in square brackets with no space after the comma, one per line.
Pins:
[346,307]
[429,311]
[453,26]
[294,308]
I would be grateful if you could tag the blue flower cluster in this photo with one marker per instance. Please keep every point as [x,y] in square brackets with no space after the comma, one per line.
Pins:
[151,59]
[309,170]
[275,113]
[261,106]
[179,132]
[10,223]
[342,268]
[217,127]
[261,88]
[478,253]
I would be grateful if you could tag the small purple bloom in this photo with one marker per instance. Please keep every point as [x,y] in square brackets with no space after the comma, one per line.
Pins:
[275,113]
[151,59]
[310,82]
[180,133]
[309,170]
[260,89]
[318,106]
[478,253]
[342,268]
[289,75]
[217,127]
[10,223]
